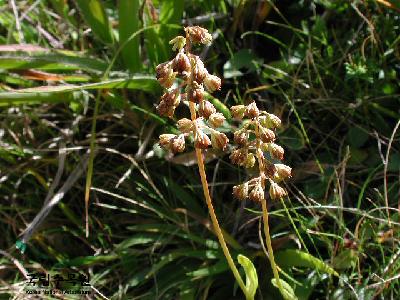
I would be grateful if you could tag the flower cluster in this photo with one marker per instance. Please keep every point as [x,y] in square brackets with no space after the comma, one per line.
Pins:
[185,78]
[256,143]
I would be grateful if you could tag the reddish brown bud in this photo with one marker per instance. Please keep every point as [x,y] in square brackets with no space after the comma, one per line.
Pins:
[198,35]
[199,72]
[241,191]
[257,193]
[276,192]
[212,82]
[201,141]
[238,156]
[252,110]
[276,151]
[238,111]
[266,135]
[206,109]
[269,170]
[181,63]
[185,125]
[241,137]
[178,144]
[171,97]
[216,120]
[195,93]
[218,140]
[165,109]
[166,140]
[165,74]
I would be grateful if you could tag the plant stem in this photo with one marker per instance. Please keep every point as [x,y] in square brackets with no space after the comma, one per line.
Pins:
[217,229]
[265,210]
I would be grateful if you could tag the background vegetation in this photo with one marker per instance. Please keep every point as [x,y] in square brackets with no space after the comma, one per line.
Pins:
[329,69]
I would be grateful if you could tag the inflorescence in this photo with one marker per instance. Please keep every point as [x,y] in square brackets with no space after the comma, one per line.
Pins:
[186,78]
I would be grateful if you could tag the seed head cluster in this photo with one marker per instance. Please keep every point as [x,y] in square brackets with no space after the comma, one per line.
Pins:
[255,142]
[185,78]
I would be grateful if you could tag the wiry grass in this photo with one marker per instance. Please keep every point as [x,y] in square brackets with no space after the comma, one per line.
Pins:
[328,68]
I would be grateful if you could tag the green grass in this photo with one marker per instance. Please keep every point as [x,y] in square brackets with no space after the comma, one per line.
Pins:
[329,69]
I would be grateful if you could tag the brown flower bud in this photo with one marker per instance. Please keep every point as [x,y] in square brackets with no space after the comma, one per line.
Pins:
[165,109]
[201,141]
[181,63]
[272,121]
[238,156]
[178,43]
[276,191]
[282,171]
[216,120]
[250,161]
[195,93]
[206,109]
[252,110]
[171,97]
[241,191]
[276,151]
[199,72]
[238,111]
[269,170]
[198,35]
[166,140]
[212,82]
[257,193]
[178,144]
[165,74]
[185,125]
[219,140]
[266,135]
[241,137]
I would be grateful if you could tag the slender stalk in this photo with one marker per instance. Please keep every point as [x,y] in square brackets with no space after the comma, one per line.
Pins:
[265,210]
[217,229]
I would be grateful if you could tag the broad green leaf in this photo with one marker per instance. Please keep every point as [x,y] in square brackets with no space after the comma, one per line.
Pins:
[128,24]
[297,258]
[95,16]
[244,59]
[251,276]
[287,291]
[219,267]
[357,137]
[51,61]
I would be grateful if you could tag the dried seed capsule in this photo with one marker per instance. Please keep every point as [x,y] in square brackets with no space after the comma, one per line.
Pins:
[216,120]
[266,135]
[276,151]
[257,193]
[198,35]
[166,140]
[241,137]
[252,110]
[238,111]
[199,72]
[250,161]
[238,156]
[212,82]
[165,109]
[206,109]
[283,171]
[165,74]
[195,93]
[178,144]
[201,141]
[178,43]
[219,140]
[181,63]
[185,125]
[276,191]
[241,191]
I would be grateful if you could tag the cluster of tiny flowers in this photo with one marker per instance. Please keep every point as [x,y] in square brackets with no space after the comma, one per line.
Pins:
[255,142]
[185,78]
